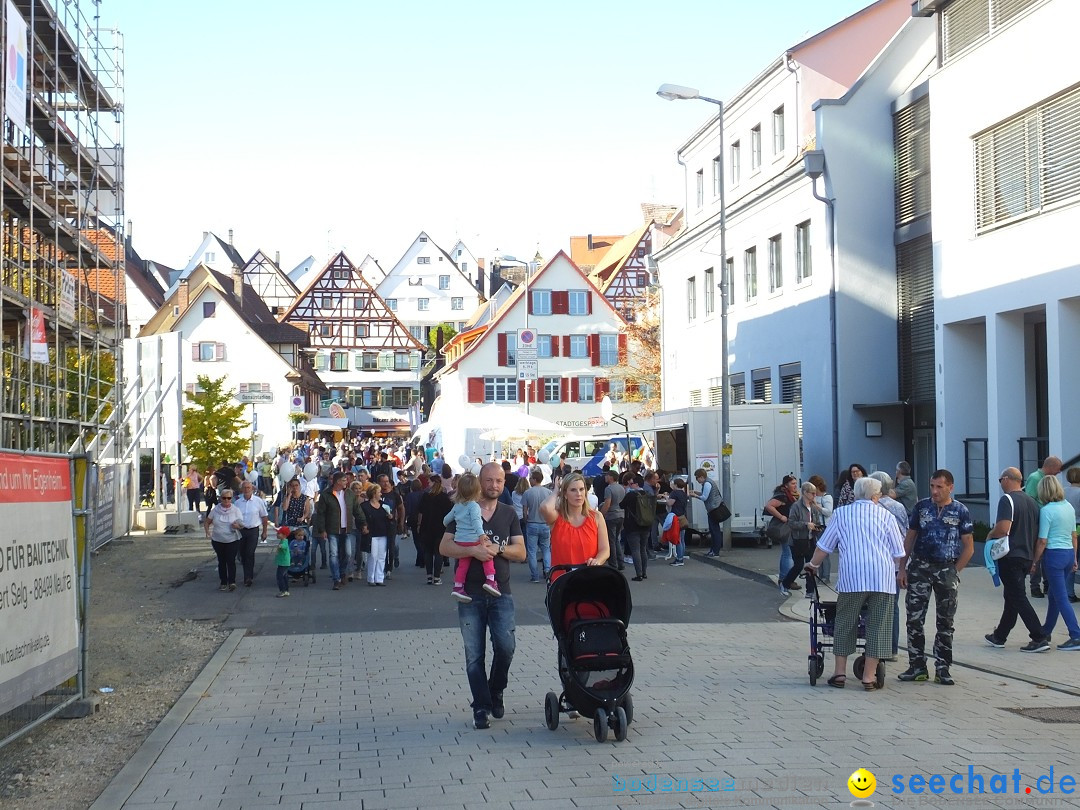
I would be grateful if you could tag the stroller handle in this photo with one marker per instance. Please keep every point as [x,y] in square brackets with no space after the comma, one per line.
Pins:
[557,568]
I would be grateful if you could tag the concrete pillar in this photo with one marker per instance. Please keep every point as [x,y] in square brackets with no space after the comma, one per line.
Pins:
[1006,382]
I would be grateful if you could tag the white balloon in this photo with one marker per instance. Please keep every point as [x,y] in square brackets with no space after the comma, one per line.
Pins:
[464,461]
[543,456]
[475,468]
[311,469]
[287,471]
[253,476]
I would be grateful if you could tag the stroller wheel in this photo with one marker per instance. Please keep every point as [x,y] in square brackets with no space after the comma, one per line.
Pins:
[551,710]
[880,674]
[628,707]
[811,669]
[600,725]
[620,723]
[857,668]
[819,663]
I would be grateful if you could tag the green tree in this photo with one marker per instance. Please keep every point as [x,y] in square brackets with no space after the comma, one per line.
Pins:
[214,425]
[448,333]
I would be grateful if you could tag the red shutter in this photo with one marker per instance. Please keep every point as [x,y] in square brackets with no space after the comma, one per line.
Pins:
[603,388]
[574,389]
[219,351]
[556,344]
[538,393]
[622,349]
[588,302]
[594,349]
[564,389]
[560,302]
[521,390]
[566,346]
[194,351]
[530,301]
[476,389]
[502,348]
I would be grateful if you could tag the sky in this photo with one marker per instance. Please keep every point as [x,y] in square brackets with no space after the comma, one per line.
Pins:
[328,125]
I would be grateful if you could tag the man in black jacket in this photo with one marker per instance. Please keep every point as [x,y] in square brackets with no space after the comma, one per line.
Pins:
[334,521]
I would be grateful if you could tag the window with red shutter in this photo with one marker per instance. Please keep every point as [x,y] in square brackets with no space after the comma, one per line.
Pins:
[564,389]
[502,348]
[566,346]
[521,391]
[622,349]
[556,345]
[588,302]
[476,389]
[594,349]
[573,389]
[560,302]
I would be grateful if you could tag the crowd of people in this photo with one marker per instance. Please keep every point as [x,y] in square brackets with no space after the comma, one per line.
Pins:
[890,541]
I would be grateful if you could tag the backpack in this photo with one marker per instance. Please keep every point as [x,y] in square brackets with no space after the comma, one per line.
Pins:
[644,508]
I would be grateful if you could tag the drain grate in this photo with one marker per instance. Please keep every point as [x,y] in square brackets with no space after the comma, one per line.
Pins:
[1050,714]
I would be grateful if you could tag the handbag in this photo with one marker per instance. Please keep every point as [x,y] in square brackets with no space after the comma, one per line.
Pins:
[720,513]
[683,522]
[778,531]
[1000,547]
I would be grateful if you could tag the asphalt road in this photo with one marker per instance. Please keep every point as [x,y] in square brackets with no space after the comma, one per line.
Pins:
[696,592]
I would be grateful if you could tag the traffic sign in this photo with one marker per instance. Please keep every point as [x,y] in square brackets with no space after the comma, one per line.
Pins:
[253,397]
[526,347]
[528,369]
[296,405]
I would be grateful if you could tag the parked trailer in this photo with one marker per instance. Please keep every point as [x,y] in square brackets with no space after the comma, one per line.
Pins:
[765,448]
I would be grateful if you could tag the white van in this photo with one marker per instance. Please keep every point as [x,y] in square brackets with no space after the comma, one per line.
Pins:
[586,453]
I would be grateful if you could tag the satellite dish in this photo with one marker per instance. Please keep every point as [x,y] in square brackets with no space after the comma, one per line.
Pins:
[605,408]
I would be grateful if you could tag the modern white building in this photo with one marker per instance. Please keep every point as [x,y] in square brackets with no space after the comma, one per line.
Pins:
[1004,162]
[812,293]
[426,287]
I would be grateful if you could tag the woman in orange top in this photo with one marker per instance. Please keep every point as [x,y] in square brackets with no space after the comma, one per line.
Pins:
[578,532]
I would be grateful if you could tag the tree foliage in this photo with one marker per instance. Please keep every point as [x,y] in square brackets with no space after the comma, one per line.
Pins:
[641,374]
[214,425]
[448,333]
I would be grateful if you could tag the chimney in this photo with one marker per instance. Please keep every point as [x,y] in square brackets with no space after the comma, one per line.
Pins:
[480,280]
[230,237]
[127,240]
[238,284]
[590,242]
[182,295]
[205,234]
[277,258]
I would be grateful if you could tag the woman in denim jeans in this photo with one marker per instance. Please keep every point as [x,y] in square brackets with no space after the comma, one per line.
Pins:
[1056,547]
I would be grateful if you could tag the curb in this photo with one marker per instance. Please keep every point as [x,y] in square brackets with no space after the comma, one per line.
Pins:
[129,778]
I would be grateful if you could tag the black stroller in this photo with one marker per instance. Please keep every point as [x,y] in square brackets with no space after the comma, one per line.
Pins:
[301,551]
[822,631]
[589,608]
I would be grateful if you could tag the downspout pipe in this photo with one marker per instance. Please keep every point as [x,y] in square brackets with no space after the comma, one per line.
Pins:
[830,233]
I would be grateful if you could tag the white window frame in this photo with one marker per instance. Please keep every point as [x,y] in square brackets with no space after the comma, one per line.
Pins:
[423,260]
[710,291]
[422,304]
[776,263]
[579,346]
[391,304]
[778,134]
[444,282]
[691,298]
[755,148]
[457,303]
[586,389]
[700,187]
[578,302]
[717,174]
[541,302]
[736,162]
[500,389]
[804,259]
[750,273]
[543,346]
[552,389]
[609,349]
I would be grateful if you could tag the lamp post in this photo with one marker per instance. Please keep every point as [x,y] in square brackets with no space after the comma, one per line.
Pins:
[675,92]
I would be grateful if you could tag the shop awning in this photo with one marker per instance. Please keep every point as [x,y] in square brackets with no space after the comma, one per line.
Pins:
[324,423]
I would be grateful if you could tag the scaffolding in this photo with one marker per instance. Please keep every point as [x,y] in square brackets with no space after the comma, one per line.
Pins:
[62,231]
[62,301]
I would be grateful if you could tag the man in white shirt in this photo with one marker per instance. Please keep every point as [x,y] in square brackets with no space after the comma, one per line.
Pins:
[255,515]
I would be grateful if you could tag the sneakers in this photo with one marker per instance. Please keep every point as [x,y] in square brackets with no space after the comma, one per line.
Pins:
[498,708]
[337,586]
[1039,646]
[459,594]
[784,591]
[232,586]
[994,641]
[628,560]
[282,594]
[914,673]
[795,586]
[636,579]
[1037,593]
[480,719]
[223,588]
[491,588]
[1071,644]
[677,563]
[942,676]
[437,581]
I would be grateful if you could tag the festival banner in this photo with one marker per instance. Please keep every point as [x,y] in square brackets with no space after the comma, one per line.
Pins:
[37,345]
[15,68]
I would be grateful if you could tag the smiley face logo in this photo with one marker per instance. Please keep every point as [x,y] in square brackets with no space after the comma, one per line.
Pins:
[861,783]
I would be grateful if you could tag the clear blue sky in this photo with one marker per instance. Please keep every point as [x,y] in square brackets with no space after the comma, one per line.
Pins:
[349,124]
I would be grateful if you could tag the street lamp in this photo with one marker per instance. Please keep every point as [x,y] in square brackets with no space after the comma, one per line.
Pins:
[676,92]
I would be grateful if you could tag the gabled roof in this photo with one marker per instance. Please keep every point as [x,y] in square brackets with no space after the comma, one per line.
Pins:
[269,282]
[403,263]
[586,251]
[660,214]
[598,301]
[614,260]
[210,239]
[341,278]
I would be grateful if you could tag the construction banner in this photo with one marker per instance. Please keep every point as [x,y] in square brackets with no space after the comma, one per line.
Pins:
[39,648]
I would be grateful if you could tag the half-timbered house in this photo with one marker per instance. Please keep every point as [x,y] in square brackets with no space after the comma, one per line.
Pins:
[266,278]
[623,274]
[361,350]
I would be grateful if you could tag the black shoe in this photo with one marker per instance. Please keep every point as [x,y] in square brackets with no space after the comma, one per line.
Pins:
[942,676]
[480,719]
[994,641]
[1074,598]
[1038,646]
[498,708]
[636,579]
[1037,593]
[914,673]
